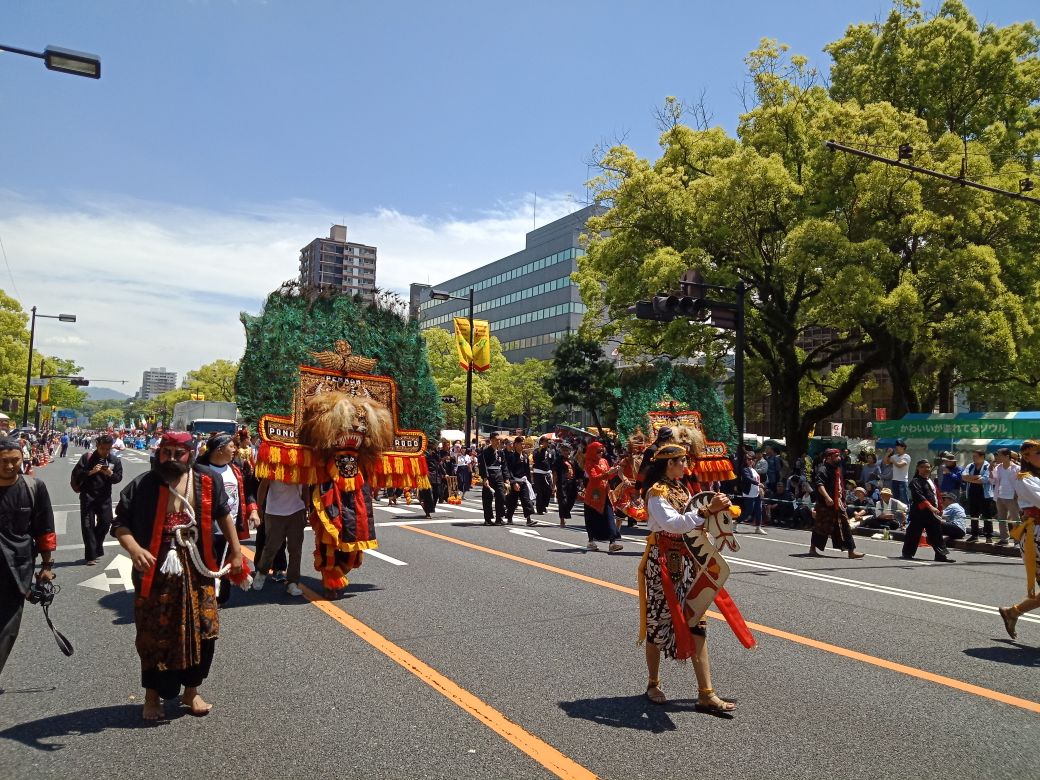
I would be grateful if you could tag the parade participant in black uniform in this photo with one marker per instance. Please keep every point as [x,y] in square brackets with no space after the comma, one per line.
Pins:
[495,475]
[26,530]
[93,477]
[522,491]
[542,474]
[925,515]
[565,474]
[428,497]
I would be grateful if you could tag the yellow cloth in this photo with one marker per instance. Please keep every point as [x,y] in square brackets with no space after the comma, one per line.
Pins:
[1023,533]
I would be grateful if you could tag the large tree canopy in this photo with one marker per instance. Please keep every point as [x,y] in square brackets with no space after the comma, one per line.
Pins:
[909,273]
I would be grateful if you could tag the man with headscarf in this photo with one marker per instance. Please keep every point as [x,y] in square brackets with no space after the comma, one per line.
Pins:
[831,515]
[165,521]
[26,530]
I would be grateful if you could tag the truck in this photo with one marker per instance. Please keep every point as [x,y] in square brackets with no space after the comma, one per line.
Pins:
[205,417]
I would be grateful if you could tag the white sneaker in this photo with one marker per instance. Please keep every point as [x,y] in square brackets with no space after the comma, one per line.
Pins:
[616,547]
[760,530]
[293,589]
[258,580]
[591,546]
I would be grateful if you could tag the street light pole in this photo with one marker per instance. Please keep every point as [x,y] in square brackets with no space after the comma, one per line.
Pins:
[28,367]
[469,377]
[738,367]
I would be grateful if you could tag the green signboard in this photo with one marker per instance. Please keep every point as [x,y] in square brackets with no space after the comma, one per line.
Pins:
[952,428]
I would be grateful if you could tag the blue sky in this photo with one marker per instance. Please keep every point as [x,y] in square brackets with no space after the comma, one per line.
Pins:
[227,129]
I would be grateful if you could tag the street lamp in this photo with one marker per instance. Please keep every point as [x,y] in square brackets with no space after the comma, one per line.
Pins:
[28,368]
[77,63]
[440,295]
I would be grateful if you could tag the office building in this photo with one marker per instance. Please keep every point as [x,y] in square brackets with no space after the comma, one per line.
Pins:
[156,381]
[334,262]
[528,297]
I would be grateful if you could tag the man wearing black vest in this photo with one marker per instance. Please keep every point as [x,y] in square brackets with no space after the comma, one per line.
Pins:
[542,474]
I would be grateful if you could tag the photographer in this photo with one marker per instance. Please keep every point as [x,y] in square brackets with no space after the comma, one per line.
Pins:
[93,477]
[26,530]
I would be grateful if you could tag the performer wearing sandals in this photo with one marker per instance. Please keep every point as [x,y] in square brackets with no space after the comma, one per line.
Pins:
[1027,489]
[666,501]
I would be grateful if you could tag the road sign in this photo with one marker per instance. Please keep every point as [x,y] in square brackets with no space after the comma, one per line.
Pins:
[37,382]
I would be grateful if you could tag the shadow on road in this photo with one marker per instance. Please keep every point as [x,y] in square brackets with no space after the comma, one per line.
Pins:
[121,603]
[1007,652]
[631,712]
[90,721]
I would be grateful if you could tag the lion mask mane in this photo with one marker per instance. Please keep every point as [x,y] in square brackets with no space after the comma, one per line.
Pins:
[335,421]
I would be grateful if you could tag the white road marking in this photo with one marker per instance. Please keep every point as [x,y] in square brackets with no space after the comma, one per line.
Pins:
[391,523]
[385,557]
[530,533]
[123,566]
[61,520]
[760,538]
[883,589]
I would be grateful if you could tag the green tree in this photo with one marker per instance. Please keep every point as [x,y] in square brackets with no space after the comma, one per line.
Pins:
[582,376]
[113,414]
[450,377]
[216,380]
[14,347]
[521,392]
[894,271]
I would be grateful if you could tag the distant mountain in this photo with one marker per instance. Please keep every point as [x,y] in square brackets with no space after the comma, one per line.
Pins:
[104,394]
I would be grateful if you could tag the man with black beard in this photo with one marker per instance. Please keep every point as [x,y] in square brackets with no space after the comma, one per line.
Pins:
[165,521]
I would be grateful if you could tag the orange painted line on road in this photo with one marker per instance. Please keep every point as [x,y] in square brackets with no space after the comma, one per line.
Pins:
[542,752]
[845,652]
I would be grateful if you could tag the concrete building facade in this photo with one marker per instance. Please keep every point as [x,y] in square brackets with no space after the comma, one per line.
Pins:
[156,381]
[528,297]
[334,262]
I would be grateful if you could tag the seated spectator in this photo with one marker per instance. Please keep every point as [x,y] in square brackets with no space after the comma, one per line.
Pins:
[955,519]
[860,507]
[873,491]
[784,505]
[888,512]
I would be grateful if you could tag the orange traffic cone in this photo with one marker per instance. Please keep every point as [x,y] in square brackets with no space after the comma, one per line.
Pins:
[924,540]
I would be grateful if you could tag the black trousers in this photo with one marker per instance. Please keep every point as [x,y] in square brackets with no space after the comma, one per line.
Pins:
[566,495]
[281,562]
[980,506]
[465,479]
[494,495]
[519,497]
[95,521]
[542,491]
[932,526]
[12,604]
[428,500]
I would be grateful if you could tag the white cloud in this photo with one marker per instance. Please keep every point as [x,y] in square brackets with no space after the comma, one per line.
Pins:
[154,284]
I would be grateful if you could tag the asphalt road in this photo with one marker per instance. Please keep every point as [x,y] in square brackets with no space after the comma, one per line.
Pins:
[508,652]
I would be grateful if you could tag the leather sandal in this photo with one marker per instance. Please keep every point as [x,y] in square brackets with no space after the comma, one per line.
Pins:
[708,701]
[658,697]
[1009,621]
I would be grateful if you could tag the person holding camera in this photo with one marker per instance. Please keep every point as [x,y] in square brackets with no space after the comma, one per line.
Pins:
[93,477]
[26,530]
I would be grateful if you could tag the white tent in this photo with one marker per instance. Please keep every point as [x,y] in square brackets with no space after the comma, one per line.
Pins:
[452,435]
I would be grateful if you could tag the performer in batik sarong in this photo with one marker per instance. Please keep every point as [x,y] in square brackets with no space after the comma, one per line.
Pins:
[1027,490]
[165,521]
[665,591]
[832,519]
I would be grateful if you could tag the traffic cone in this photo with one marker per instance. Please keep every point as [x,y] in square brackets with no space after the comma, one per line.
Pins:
[924,540]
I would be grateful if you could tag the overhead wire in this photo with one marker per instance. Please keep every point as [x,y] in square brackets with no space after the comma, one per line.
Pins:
[9,272]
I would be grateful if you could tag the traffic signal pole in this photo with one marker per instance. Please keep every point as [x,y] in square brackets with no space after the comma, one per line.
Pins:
[738,368]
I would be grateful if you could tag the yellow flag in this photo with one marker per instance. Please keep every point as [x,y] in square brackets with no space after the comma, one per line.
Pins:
[462,341]
[45,394]
[481,345]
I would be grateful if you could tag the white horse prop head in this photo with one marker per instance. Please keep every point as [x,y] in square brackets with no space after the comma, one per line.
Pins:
[718,526]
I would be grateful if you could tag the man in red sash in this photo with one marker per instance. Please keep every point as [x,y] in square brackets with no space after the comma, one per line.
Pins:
[175,609]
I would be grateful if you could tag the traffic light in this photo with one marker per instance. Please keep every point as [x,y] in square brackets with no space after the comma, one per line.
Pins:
[665,308]
[78,381]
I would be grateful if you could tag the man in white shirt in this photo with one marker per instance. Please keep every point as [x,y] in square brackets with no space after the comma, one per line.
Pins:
[1003,477]
[899,460]
[888,513]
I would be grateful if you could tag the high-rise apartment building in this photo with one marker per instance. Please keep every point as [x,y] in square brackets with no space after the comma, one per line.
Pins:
[157,381]
[337,263]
